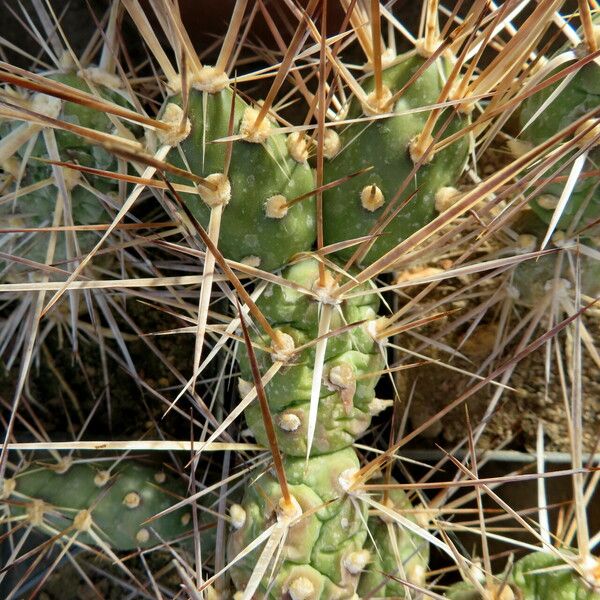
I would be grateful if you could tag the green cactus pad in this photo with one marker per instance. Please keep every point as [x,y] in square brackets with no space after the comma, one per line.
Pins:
[344,413]
[257,172]
[397,554]
[533,279]
[383,143]
[323,541]
[537,576]
[119,501]
[580,96]
[540,576]
[36,208]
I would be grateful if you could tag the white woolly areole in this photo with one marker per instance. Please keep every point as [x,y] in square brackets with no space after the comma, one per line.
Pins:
[221,195]
[63,465]
[331,143]
[377,105]
[560,239]
[416,574]
[341,376]
[590,570]
[7,488]
[210,79]
[426,48]
[276,207]
[35,512]
[160,477]
[519,148]
[46,105]
[237,515]
[388,56]
[71,177]
[548,201]
[284,349]
[142,536]
[372,198]
[83,520]
[289,422]
[526,242]
[251,260]
[132,500]
[297,145]
[101,77]
[301,588]
[12,166]
[446,197]
[592,136]
[179,128]
[289,512]
[101,478]
[326,292]
[418,147]
[356,561]
[374,327]
[248,129]
[377,405]
[244,387]
[347,479]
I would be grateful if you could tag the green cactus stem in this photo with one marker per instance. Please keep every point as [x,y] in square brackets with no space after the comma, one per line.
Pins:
[352,209]
[36,208]
[537,576]
[347,398]
[578,97]
[257,226]
[397,554]
[98,504]
[322,554]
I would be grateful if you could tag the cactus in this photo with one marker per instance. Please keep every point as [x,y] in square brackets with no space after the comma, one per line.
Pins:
[552,109]
[322,553]
[308,527]
[536,576]
[352,363]
[101,506]
[256,224]
[36,208]
[397,554]
[352,209]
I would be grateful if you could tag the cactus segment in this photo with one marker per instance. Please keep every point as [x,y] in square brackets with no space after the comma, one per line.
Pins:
[119,501]
[537,576]
[353,208]
[347,390]
[36,208]
[321,546]
[397,554]
[578,97]
[534,279]
[540,575]
[251,226]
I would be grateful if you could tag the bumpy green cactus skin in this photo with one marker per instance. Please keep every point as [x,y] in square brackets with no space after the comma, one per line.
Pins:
[398,554]
[578,97]
[537,576]
[383,144]
[561,584]
[257,172]
[533,279]
[36,208]
[330,528]
[296,314]
[119,504]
